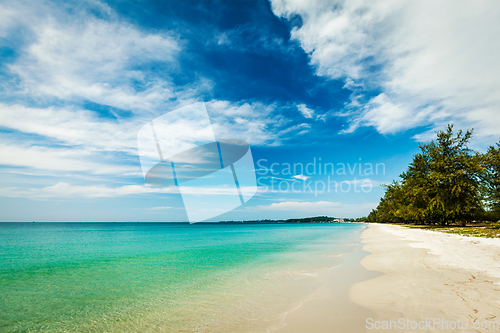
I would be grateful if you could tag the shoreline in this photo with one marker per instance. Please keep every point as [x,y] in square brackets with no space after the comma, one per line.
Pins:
[330,309]
[429,275]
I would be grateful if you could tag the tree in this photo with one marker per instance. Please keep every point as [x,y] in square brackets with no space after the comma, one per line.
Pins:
[492,180]
[419,190]
[372,217]
[442,184]
[392,206]
[455,173]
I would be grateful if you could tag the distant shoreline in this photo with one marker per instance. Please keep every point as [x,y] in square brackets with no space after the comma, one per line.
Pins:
[319,219]
[197,223]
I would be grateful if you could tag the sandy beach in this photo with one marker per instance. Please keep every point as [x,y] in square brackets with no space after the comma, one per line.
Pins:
[430,276]
[411,280]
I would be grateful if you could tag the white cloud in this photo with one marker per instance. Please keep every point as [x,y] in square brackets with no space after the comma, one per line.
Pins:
[59,159]
[83,138]
[70,58]
[163,208]
[256,123]
[300,205]
[301,177]
[80,56]
[249,38]
[319,207]
[73,127]
[434,62]
[365,182]
[64,190]
[306,112]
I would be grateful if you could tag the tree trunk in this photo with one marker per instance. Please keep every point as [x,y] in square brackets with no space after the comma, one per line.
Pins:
[464,222]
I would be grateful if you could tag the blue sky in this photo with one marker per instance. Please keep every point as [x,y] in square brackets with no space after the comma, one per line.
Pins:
[344,82]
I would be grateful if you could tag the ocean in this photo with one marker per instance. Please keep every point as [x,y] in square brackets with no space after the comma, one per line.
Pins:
[163,277]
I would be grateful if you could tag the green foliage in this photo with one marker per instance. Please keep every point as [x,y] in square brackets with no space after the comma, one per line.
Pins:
[446,182]
[491,164]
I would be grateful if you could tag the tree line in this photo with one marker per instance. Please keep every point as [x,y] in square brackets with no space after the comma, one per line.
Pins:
[447,182]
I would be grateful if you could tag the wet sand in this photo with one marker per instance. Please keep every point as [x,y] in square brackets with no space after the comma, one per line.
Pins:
[330,309]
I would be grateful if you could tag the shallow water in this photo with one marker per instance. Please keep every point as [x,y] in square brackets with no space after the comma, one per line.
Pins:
[120,277]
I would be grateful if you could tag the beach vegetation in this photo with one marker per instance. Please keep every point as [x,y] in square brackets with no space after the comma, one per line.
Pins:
[447,184]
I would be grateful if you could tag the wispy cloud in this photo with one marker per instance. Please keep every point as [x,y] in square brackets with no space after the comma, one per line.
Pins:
[410,63]
[300,205]
[64,190]
[306,112]
[70,59]
[80,56]
[72,126]
[319,207]
[255,122]
[59,159]
[363,183]
[301,177]
[252,38]
[163,208]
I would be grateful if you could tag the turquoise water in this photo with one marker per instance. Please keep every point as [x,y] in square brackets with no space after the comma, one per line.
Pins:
[115,277]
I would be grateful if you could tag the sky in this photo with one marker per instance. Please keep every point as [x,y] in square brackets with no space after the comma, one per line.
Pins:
[355,84]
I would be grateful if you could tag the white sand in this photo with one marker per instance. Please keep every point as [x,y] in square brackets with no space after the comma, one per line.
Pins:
[470,253]
[430,275]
